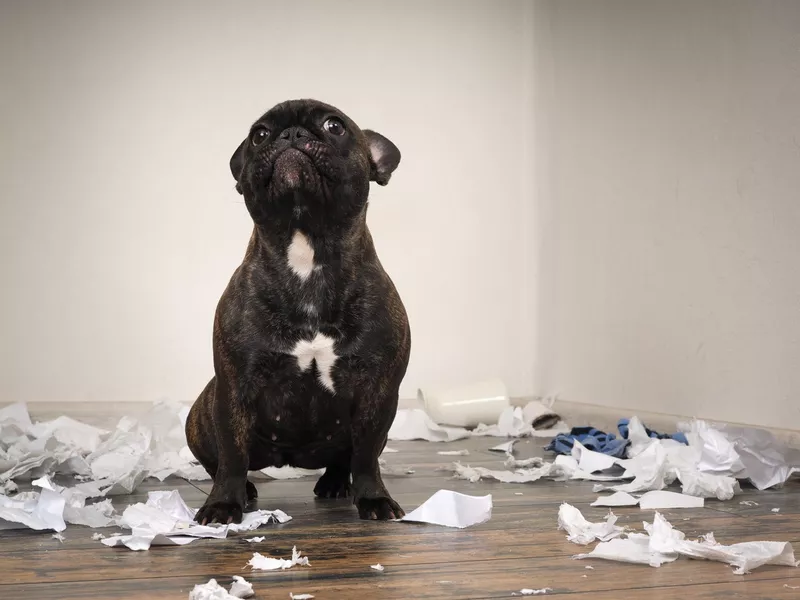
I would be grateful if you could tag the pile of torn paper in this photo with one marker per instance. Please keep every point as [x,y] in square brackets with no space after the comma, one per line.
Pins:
[708,466]
[661,543]
[116,461]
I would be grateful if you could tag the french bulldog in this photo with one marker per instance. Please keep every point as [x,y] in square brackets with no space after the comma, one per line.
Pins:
[310,339]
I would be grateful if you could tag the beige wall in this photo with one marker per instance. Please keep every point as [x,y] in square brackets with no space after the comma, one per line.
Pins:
[670,272]
[119,224]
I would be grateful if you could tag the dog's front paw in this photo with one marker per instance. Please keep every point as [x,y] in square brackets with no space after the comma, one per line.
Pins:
[219,512]
[333,485]
[380,509]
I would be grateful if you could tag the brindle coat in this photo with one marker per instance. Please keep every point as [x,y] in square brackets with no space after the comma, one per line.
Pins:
[301,174]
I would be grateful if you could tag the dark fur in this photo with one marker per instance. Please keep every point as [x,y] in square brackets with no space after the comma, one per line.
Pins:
[260,409]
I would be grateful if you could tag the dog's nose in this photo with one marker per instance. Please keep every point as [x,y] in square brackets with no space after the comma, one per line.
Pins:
[294,133]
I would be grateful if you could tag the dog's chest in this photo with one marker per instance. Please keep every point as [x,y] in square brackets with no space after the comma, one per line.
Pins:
[317,354]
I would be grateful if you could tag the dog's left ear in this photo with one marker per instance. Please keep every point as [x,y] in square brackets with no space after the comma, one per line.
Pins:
[237,164]
[383,157]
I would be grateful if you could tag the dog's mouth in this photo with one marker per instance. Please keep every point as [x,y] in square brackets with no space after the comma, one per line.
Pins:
[293,170]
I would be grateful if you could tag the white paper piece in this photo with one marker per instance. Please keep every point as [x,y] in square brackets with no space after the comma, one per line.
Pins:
[59,537]
[241,588]
[616,499]
[118,461]
[166,520]
[378,567]
[97,536]
[748,503]
[40,512]
[463,452]
[258,538]
[660,499]
[287,472]
[474,474]
[300,596]
[530,592]
[591,461]
[452,509]
[415,424]
[581,531]
[523,463]
[708,485]
[506,447]
[776,510]
[649,468]
[214,591]
[268,563]
[388,450]
[663,544]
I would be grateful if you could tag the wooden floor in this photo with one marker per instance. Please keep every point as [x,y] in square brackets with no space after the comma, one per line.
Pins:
[519,547]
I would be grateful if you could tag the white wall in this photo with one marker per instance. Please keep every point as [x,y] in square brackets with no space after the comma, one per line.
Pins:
[670,270]
[119,224]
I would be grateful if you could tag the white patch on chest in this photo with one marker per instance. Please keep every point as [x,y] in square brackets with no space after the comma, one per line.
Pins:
[319,350]
[300,256]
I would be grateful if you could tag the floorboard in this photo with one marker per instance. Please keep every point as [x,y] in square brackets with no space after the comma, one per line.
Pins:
[519,547]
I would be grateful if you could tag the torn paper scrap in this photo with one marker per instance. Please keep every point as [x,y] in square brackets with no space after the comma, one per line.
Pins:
[241,588]
[214,591]
[523,463]
[166,520]
[452,509]
[300,596]
[507,447]
[268,563]
[707,485]
[776,510]
[748,503]
[530,592]
[474,474]
[97,536]
[463,452]
[663,543]
[616,499]
[378,567]
[41,511]
[581,531]
[660,499]
[59,537]
[258,538]
[287,472]
[510,423]
[388,450]
[415,424]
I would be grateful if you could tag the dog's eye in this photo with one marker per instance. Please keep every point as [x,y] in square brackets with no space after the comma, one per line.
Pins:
[259,136]
[334,126]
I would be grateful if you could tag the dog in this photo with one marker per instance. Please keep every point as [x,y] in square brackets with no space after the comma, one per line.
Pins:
[311,340]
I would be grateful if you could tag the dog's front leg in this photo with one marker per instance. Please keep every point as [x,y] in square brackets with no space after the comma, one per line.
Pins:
[370,425]
[233,426]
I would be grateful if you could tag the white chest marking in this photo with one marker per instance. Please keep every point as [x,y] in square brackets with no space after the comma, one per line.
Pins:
[300,256]
[319,350]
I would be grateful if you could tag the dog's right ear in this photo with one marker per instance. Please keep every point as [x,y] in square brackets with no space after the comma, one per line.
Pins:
[237,164]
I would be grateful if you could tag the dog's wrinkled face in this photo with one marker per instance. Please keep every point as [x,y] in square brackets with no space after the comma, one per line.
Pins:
[306,161]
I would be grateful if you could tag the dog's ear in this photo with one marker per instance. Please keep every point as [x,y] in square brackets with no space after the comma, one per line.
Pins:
[383,157]
[237,164]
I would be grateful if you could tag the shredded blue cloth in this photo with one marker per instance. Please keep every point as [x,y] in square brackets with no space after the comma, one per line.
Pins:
[678,437]
[600,441]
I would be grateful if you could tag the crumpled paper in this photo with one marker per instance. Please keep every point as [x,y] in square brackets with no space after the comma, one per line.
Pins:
[521,475]
[268,563]
[40,512]
[240,588]
[654,499]
[117,460]
[581,531]
[166,520]
[663,543]
[452,509]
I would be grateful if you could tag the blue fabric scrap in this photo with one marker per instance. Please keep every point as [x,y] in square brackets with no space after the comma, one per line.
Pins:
[600,441]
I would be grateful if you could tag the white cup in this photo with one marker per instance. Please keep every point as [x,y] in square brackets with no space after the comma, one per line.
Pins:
[466,405]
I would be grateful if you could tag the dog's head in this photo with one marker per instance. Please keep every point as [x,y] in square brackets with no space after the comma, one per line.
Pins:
[307,161]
